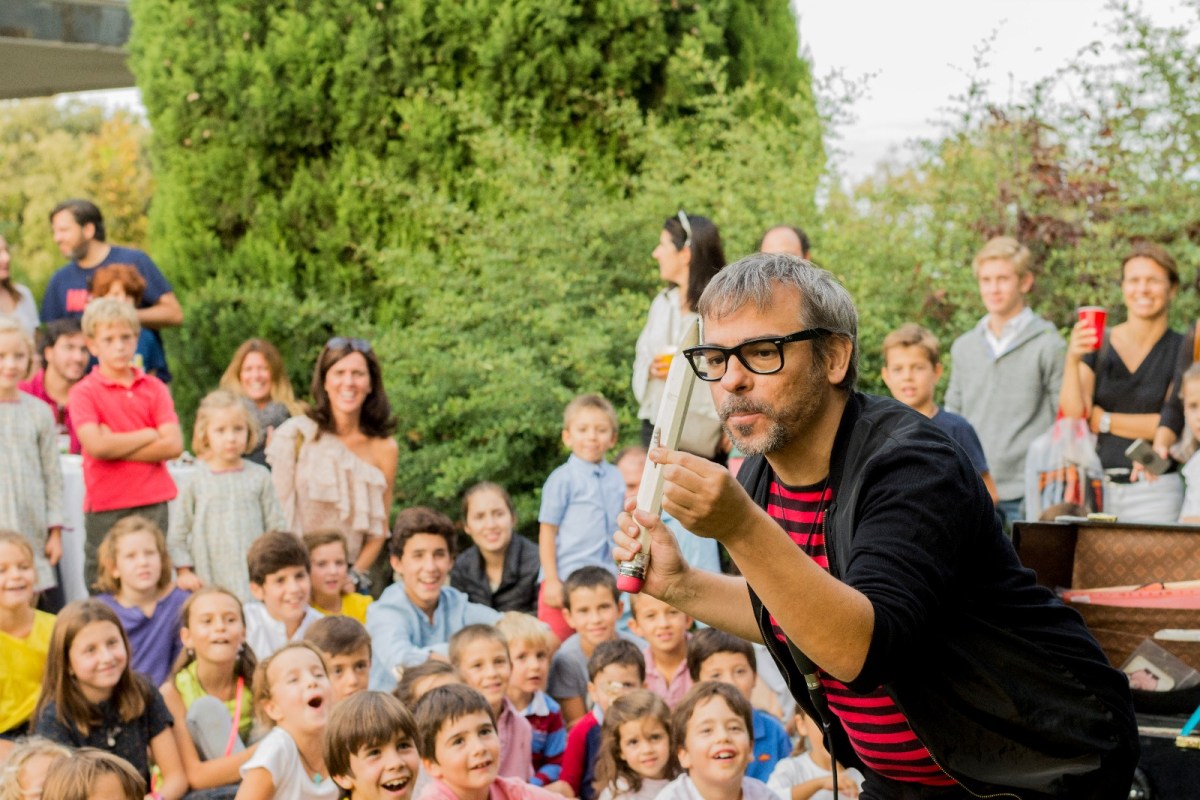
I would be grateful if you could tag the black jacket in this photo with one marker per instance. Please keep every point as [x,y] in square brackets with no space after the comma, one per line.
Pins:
[518,584]
[1000,681]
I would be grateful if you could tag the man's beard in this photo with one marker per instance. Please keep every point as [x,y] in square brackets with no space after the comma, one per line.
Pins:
[785,423]
[79,251]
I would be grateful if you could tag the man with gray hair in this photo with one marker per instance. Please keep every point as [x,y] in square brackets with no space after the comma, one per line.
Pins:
[874,567]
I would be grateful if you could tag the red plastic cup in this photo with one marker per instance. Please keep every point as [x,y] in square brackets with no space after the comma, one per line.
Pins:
[1094,316]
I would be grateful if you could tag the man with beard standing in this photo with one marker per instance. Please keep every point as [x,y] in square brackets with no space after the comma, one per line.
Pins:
[78,228]
[874,567]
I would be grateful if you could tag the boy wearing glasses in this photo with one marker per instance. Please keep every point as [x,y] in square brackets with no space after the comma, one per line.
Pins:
[580,504]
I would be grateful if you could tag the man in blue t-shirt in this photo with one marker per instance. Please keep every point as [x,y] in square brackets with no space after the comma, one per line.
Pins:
[78,228]
[912,367]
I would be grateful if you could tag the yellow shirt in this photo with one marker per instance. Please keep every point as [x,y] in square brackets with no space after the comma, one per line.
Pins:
[22,664]
[354,605]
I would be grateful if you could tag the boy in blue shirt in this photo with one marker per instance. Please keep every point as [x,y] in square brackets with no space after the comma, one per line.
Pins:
[912,368]
[714,655]
[580,504]
[412,620]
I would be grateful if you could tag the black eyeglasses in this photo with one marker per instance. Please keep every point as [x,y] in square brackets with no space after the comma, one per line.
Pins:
[347,343]
[760,356]
[687,228]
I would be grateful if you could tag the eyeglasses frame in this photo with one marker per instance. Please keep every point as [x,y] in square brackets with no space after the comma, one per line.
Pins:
[693,353]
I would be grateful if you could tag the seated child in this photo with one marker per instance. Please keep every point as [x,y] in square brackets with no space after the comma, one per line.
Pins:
[580,504]
[90,774]
[592,608]
[413,618]
[26,768]
[329,574]
[710,731]
[500,568]
[371,748]
[291,693]
[415,682]
[530,644]
[279,582]
[461,749]
[714,655]
[912,368]
[24,638]
[480,654]
[92,698]
[615,669]
[135,581]
[807,775]
[636,758]
[210,694]
[346,646]
[665,630]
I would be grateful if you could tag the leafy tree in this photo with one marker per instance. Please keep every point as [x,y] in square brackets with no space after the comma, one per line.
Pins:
[476,186]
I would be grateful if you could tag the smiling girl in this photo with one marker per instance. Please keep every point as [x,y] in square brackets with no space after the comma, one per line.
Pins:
[24,637]
[210,693]
[135,578]
[292,697]
[636,761]
[91,697]
[500,569]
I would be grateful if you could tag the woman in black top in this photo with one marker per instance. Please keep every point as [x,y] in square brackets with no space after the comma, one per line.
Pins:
[1120,387]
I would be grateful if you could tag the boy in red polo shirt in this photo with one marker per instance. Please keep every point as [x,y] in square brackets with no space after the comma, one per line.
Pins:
[126,423]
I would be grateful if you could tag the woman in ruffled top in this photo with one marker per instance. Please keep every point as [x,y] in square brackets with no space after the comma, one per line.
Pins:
[334,466]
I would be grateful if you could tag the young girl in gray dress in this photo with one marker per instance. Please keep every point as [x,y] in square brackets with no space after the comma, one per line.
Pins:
[228,504]
[31,482]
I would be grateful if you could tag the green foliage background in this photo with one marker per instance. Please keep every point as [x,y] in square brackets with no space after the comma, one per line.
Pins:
[475,186]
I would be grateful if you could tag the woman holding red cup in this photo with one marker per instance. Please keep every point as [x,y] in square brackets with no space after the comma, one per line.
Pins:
[1118,383]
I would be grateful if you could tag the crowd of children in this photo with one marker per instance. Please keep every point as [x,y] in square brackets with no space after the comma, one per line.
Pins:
[225,656]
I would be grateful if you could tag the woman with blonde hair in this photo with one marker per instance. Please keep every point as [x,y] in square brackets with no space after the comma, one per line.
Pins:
[257,373]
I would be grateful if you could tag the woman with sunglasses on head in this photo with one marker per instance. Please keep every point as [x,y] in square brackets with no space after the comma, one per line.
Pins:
[334,466]
[257,374]
[689,254]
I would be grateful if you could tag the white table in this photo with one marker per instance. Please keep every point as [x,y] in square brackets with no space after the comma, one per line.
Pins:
[71,565]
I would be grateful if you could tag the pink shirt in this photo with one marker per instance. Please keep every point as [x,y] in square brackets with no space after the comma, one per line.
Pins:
[97,400]
[516,743]
[673,688]
[36,387]
[502,789]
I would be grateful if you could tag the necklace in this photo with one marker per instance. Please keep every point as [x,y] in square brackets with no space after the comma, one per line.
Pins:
[317,777]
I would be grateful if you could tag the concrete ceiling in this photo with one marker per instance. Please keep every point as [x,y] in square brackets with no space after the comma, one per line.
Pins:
[52,46]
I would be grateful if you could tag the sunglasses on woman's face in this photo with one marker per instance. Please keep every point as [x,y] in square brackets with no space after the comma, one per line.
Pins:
[347,343]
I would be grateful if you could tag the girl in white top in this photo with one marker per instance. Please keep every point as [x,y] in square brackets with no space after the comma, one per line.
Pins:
[689,254]
[635,761]
[292,693]
[807,775]
[712,731]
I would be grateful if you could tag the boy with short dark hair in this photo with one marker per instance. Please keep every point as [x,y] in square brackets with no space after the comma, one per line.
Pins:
[593,607]
[912,368]
[665,629]
[615,669]
[413,619]
[127,427]
[480,654]
[461,749]
[714,655]
[371,748]
[580,503]
[278,565]
[347,649]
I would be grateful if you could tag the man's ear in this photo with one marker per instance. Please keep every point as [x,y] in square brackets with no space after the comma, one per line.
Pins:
[839,359]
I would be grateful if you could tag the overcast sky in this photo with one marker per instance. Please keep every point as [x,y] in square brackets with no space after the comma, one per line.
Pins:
[918,55]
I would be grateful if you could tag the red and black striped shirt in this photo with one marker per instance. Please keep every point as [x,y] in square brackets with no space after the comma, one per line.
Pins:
[877,729]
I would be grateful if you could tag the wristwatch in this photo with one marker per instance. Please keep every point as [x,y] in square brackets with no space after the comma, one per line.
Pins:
[361,581]
[1106,422]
